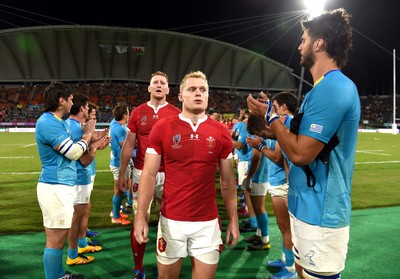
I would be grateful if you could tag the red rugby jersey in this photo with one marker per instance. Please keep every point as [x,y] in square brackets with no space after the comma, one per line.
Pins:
[191,155]
[141,122]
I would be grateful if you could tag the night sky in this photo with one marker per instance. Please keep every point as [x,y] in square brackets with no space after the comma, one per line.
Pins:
[269,27]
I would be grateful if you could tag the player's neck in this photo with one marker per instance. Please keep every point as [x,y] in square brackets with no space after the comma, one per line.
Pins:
[59,113]
[78,118]
[156,103]
[321,67]
[194,117]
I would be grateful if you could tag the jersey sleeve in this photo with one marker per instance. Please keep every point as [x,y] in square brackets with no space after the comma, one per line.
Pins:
[227,146]
[132,120]
[323,112]
[121,135]
[243,133]
[55,133]
[156,137]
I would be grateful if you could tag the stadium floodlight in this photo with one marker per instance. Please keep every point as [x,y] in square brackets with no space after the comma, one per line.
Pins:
[314,7]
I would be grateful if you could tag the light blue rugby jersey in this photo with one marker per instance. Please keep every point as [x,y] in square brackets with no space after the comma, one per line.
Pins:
[84,172]
[261,175]
[287,124]
[276,173]
[332,106]
[246,152]
[56,168]
[118,135]
[93,166]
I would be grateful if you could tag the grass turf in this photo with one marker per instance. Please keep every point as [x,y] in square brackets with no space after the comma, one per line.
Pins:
[371,254]
[375,180]
[375,184]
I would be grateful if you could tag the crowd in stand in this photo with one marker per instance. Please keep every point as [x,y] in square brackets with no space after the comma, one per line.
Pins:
[377,110]
[24,103]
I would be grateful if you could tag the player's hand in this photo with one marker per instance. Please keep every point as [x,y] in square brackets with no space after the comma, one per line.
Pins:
[141,230]
[256,107]
[263,96]
[253,141]
[103,142]
[105,132]
[89,126]
[232,234]
[247,184]
[122,183]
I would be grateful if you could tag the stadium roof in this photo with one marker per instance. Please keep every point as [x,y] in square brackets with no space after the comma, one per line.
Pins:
[101,53]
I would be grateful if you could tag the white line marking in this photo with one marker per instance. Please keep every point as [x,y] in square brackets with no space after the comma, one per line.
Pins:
[357,163]
[379,162]
[375,152]
[20,173]
[23,145]
[18,157]
[28,145]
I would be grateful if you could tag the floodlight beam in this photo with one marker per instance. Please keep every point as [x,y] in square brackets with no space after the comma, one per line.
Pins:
[314,7]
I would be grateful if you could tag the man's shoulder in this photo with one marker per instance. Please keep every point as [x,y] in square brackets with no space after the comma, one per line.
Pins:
[141,107]
[168,119]
[171,108]
[117,127]
[48,121]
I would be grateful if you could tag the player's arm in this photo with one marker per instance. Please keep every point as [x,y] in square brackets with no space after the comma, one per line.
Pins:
[286,167]
[125,156]
[300,149]
[238,145]
[275,155]
[255,163]
[145,194]
[74,151]
[98,135]
[229,195]
[87,157]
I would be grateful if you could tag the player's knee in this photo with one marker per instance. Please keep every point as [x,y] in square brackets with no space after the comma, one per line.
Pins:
[166,261]
[211,257]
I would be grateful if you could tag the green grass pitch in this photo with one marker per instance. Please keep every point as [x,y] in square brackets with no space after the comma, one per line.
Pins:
[375,181]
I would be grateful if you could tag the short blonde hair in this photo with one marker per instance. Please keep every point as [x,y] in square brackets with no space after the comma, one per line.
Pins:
[196,74]
[159,73]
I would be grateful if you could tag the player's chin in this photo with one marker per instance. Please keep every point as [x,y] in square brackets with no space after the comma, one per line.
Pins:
[199,108]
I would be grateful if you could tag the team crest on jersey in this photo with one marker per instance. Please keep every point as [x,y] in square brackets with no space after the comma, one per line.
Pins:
[162,245]
[143,121]
[176,139]
[210,142]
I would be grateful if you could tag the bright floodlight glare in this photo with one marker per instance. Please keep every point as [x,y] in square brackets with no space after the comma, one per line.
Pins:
[314,7]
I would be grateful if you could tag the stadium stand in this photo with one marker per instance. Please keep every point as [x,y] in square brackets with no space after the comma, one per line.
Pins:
[23,103]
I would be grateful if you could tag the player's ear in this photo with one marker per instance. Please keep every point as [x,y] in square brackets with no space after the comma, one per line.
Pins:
[180,97]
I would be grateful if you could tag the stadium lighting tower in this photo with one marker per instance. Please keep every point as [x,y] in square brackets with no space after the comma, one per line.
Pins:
[314,7]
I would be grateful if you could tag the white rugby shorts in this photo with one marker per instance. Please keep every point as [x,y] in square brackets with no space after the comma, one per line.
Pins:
[319,249]
[56,202]
[178,239]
